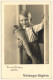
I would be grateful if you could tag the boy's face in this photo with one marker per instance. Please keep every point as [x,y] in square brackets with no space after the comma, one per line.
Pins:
[24,21]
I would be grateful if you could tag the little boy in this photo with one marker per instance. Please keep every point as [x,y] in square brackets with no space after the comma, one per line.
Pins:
[31,32]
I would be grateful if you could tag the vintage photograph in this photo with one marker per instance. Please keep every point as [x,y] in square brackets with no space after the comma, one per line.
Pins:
[24,34]
[26,40]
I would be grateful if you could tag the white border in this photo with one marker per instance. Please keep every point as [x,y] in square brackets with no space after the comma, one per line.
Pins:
[52,21]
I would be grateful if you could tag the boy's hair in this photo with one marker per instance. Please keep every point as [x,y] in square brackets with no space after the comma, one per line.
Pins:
[26,14]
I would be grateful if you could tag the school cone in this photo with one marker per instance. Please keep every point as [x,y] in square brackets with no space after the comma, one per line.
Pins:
[20,33]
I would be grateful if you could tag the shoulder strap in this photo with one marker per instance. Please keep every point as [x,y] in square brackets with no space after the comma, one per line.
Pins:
[34,33]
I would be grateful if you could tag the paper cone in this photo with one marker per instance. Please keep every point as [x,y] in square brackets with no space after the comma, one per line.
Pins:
[20,33]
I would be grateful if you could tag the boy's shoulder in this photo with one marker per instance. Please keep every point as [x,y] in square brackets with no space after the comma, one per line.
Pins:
[31,26]
[34,25]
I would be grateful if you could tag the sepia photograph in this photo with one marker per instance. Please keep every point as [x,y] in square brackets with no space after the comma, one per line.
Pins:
[24,34]
[25,38]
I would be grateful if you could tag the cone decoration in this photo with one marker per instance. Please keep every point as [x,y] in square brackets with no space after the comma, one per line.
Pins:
[20,33]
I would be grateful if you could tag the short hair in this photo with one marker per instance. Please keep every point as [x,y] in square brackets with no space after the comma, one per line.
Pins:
[26,13]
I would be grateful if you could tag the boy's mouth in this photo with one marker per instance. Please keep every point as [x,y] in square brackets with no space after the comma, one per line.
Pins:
[25,25]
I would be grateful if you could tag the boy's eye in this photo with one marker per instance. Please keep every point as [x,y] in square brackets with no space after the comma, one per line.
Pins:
[24,20]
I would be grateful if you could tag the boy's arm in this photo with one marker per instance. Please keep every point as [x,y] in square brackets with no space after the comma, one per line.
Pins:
[38,27]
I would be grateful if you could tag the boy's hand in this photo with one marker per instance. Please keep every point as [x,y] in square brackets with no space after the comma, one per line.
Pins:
[20,43]
[42,17]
